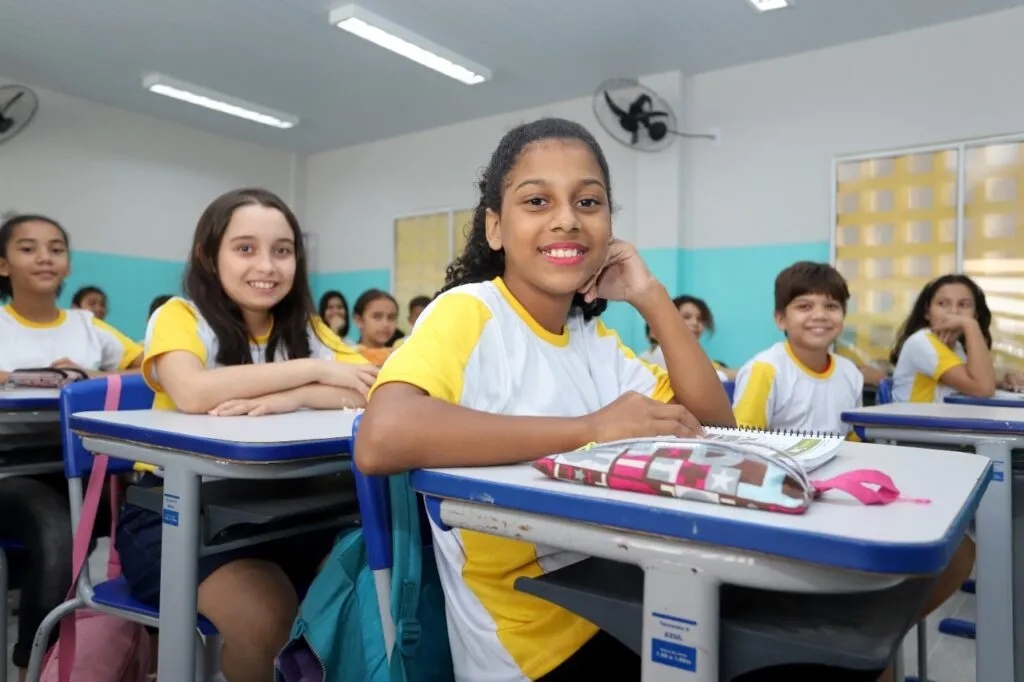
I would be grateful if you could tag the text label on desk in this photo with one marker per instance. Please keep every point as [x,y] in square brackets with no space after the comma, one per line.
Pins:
[669,649]
[170,510]
[997,471]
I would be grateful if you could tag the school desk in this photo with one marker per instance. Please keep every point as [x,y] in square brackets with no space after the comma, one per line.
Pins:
[29,418]
[1000,399]
[994,432]
[687,549]
[188,447]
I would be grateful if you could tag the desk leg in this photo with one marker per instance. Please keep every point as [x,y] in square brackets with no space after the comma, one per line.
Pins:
[178,576]
[995,569]
[680,627]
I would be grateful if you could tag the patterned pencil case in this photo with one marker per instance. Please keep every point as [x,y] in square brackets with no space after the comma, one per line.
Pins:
[750,476]
[45,377]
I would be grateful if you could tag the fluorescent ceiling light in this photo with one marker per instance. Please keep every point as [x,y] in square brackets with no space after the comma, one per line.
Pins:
[193,94]
[766,5]
[391,36]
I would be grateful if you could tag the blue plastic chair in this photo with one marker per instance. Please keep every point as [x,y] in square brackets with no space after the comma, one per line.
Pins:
[730,388]
[885,391]
[111,596]
[375,509]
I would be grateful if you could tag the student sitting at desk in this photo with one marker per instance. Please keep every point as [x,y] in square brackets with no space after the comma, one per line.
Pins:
[943,347]
[798,385]
[697,316]
[376,314]
[248,341]
[510,363]
[34,333]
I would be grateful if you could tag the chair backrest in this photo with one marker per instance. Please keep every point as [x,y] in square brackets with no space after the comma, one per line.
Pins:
[88,396]
[885,391]
[730,388]
[375,508]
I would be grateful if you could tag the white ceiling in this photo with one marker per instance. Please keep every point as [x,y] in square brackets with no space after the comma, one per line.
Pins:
[285,55]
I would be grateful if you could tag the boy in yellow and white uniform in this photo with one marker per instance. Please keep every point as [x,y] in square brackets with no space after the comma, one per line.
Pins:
[797,384]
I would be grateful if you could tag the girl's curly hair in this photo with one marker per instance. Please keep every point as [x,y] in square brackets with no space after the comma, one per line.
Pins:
[479,262]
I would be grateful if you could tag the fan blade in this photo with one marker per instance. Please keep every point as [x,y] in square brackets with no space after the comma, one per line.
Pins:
[636,137]
[10,102]
[619,111]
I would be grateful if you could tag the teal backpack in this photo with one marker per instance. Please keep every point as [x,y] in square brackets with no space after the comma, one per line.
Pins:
[337,636]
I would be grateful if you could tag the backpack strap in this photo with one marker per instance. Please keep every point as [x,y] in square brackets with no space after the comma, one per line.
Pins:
[406,572]
[83,536]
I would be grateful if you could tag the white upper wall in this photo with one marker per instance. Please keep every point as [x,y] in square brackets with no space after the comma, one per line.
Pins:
[784,120]
[353,195]
[127,184]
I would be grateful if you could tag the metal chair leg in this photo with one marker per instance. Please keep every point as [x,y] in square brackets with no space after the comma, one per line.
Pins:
[4,615]
[922,651]
[42,638]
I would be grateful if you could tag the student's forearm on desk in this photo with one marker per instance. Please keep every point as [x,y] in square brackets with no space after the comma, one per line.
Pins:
[321,397]
[197,390]
[694,379]
[405,429]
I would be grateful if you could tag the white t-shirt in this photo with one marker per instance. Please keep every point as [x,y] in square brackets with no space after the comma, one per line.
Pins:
[476,346]
[776,391]
[76,334]
[656,356]
[178,325]
[922,362]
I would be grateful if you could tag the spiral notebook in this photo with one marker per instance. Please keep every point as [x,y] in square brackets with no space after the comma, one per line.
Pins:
[810,450]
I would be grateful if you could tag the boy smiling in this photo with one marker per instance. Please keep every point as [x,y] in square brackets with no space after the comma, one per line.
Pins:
[798,384]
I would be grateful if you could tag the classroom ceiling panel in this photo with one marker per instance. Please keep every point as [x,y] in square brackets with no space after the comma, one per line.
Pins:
[285,55]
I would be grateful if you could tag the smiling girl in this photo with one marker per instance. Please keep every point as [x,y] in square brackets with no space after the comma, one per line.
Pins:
[246,341]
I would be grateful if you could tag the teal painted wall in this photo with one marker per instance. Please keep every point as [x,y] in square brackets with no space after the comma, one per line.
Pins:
[735,281]
[738,285]
[131,284]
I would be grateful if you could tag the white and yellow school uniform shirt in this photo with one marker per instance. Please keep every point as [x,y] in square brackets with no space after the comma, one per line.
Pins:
[178,325]
[476,346]
[76,334]
[656,356]
[776,391]
[922,362]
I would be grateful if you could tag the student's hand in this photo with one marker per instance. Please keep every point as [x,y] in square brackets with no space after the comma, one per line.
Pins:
[275,403]
[636,416]
[952,323]
[1014,381]
[343,375]
[624,276]
[67,363]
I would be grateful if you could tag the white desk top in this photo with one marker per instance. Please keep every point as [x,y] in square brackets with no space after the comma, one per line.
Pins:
[278,436]
[18,395]
[979,418]
[953,489]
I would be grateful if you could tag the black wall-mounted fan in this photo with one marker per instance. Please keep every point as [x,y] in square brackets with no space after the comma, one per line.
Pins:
[637,116]
[18,105]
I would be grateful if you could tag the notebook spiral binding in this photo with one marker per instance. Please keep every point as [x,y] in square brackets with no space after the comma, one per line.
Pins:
[778,432]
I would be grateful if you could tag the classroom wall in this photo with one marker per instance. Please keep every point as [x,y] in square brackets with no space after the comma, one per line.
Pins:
[718,221]
[761,199]
[129,190]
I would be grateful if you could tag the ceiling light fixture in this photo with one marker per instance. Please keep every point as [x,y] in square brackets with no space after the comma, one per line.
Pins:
[767,5]
[391,36]
[193,94]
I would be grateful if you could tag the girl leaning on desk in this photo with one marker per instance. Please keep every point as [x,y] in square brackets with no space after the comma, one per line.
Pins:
[246,340]
[35,332]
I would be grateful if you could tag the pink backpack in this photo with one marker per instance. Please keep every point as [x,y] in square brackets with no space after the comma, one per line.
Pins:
[94,646]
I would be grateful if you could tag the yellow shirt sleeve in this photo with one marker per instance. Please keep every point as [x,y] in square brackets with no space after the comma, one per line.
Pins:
[634,374]
[945,359]
[326,345]
[754,395]
[119,352]
[173,327]
[435,356]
